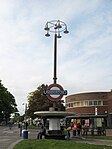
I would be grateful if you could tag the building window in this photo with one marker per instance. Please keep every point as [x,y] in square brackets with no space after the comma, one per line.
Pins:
[90,103]
[85,103]
[78,104]
[67,105]
[95,103]
[71,105]
[100,103]
[75,105]
[82,103]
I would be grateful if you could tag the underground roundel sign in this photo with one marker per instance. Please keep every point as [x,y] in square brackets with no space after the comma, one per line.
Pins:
[55,92]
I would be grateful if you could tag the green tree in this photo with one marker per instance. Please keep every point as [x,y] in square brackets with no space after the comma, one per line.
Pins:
[7,104]
[15,117]
[37,101]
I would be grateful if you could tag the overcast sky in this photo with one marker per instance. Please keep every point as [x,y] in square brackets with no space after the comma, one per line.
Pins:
[84,55]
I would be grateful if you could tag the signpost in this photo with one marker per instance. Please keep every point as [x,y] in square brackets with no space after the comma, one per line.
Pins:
[55,92]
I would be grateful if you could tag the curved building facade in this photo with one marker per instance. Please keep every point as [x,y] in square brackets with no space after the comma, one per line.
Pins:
[91,105]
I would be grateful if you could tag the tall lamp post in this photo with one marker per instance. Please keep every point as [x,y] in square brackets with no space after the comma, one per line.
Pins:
[25,109]
[56,27]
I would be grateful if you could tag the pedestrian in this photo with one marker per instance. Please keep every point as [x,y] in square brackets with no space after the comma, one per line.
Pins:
[92,129]
[79,127]
[10,125]
[74,128]
[85,130]
[26,125]
[41,133]
[68,132]
[20,130]
[103,129]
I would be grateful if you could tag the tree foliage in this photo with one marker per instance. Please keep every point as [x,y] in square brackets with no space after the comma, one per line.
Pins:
[37,101]
[7,104]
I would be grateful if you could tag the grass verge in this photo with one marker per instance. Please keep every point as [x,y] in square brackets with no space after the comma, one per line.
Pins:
[32,127]
[56,144]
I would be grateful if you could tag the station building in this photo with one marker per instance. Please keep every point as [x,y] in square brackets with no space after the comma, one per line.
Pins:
[91,107]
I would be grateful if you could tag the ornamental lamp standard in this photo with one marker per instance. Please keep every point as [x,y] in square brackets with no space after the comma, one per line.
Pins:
[56,27]
[25,110]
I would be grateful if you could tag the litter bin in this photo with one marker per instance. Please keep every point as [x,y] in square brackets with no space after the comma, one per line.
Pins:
[25,134]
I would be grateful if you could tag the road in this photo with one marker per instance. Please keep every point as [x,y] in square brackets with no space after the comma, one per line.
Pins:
[7,137]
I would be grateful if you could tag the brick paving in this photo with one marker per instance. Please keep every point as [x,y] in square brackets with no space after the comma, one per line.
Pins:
[108,132]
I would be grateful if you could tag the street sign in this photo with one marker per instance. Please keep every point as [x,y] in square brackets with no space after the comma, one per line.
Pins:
[55,92]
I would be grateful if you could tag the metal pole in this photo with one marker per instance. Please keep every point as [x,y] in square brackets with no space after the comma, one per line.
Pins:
[56,27]
[55,58]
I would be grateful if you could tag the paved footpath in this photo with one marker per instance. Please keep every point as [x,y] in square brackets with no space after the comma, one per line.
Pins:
[94,141]
[9,138]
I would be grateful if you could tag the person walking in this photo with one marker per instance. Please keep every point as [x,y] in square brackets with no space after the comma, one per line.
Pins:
[10,125]
[103,129]
[68,132]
